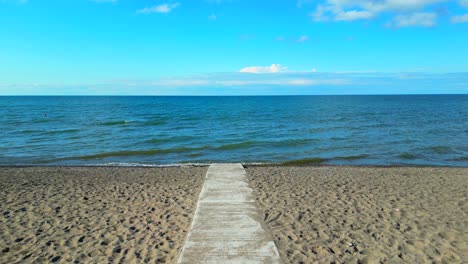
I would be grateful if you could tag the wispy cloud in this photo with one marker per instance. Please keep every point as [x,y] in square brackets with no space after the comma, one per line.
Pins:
[234,82]
[404,13]
[414,19]
[460,19]
[239,80]
[274,68]
[163,8]
[258,84]
[353,15]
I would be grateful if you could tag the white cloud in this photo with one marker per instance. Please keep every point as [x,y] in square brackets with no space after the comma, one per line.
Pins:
[302,39]
[254,84]
[286,82]
[464,3]
[321,13]
[338,13]
[163,8]
[235,81]
[415,19]
[382,6]
[353,15]
[213,17]
[178,82]
[460,19]
[408,12]
[274,68]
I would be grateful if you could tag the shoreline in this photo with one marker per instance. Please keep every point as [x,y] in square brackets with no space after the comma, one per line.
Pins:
[245,165]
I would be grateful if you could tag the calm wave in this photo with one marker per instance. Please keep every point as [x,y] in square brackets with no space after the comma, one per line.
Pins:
[371,130]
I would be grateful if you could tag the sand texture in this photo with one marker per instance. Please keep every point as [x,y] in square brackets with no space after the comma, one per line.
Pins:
[96,215]
[365,215]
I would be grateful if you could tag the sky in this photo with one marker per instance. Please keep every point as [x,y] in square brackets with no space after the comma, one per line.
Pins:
[233,47]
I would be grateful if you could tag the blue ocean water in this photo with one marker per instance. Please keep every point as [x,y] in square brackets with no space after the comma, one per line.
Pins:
[357,130]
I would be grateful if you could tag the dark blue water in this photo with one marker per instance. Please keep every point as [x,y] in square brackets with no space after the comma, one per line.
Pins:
[374,130]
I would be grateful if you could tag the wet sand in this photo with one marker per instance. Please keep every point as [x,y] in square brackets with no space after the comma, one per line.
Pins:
[96,215]
[365,215]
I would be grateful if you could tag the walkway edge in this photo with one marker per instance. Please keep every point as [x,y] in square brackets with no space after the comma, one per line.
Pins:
[227,225]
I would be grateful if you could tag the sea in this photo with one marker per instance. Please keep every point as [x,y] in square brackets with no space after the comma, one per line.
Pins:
[427,130]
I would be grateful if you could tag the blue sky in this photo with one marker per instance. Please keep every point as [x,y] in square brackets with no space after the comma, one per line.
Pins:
[233,47]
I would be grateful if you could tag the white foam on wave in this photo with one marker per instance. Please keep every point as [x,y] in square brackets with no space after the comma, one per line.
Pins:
[134,164]
[190,164]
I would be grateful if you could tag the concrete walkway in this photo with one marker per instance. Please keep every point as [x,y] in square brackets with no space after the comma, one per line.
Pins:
[227,226]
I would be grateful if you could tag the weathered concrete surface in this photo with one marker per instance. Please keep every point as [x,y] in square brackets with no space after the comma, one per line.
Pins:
[227,226]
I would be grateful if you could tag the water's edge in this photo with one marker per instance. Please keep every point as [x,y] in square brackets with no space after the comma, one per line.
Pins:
[246,165]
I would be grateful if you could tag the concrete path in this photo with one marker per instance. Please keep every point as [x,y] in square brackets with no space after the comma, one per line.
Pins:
[227,226]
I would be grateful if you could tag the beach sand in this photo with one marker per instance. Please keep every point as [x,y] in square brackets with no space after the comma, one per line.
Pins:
[315,214]
[365,215]
[96,215]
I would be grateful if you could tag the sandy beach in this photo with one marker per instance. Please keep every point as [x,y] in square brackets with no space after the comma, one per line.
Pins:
[314,214]
[365,215]
[96,215]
